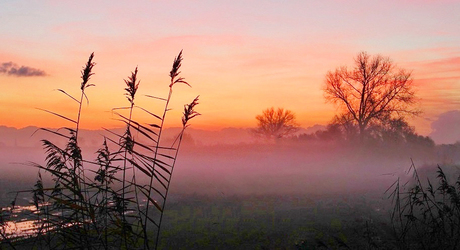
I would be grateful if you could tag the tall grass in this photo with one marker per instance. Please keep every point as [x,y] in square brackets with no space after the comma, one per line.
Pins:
[426,215]
[109,207]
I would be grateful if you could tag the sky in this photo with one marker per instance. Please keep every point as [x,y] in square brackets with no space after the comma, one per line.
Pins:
[240,56]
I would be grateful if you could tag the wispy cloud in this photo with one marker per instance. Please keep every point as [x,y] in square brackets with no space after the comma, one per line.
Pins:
[12,69]
[450,64]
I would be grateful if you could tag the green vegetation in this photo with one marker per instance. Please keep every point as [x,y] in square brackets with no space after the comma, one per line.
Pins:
[276,222]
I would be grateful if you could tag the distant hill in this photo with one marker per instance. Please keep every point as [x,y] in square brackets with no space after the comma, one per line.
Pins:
[32,136]
[312,129]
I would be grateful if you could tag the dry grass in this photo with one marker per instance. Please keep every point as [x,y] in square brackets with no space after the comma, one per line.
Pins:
[426,215]
[108,207]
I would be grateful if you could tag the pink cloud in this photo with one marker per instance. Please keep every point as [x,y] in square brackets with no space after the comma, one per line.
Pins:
[445,65]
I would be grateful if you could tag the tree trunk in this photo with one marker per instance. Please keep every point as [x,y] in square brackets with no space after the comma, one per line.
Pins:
[362,128]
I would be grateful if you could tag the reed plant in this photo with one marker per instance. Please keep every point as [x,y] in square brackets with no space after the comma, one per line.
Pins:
[102,203]
[5,216]
[426,215]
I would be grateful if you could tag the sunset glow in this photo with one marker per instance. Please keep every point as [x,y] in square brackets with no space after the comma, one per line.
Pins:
[241,57]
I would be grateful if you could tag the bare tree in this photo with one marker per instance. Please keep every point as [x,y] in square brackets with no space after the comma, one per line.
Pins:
[373,91]
[276,124]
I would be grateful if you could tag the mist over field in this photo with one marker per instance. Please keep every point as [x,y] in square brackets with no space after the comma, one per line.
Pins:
[233,162]
[231,188]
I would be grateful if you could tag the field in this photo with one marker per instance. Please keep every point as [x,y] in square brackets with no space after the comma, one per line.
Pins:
[276,222]
[285,196]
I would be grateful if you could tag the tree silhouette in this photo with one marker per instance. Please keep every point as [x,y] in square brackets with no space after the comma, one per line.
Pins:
[276,124]
[374,90]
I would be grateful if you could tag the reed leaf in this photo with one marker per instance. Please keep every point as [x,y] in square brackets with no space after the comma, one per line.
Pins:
[140,167]
[65,93]
[58,115]
[155,97]
[150,113]
[154,202]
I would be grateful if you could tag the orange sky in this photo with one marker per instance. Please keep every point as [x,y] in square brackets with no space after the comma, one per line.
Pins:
[240,56]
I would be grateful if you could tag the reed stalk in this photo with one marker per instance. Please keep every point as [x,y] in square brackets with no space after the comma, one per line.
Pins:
[92,213]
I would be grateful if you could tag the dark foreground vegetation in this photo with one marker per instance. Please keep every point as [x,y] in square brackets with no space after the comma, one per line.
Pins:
[99,203]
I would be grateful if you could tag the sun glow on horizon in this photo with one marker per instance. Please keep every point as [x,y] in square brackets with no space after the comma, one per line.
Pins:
[240,57]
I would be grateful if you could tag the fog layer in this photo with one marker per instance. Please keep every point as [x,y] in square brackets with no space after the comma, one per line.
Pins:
[247,167]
